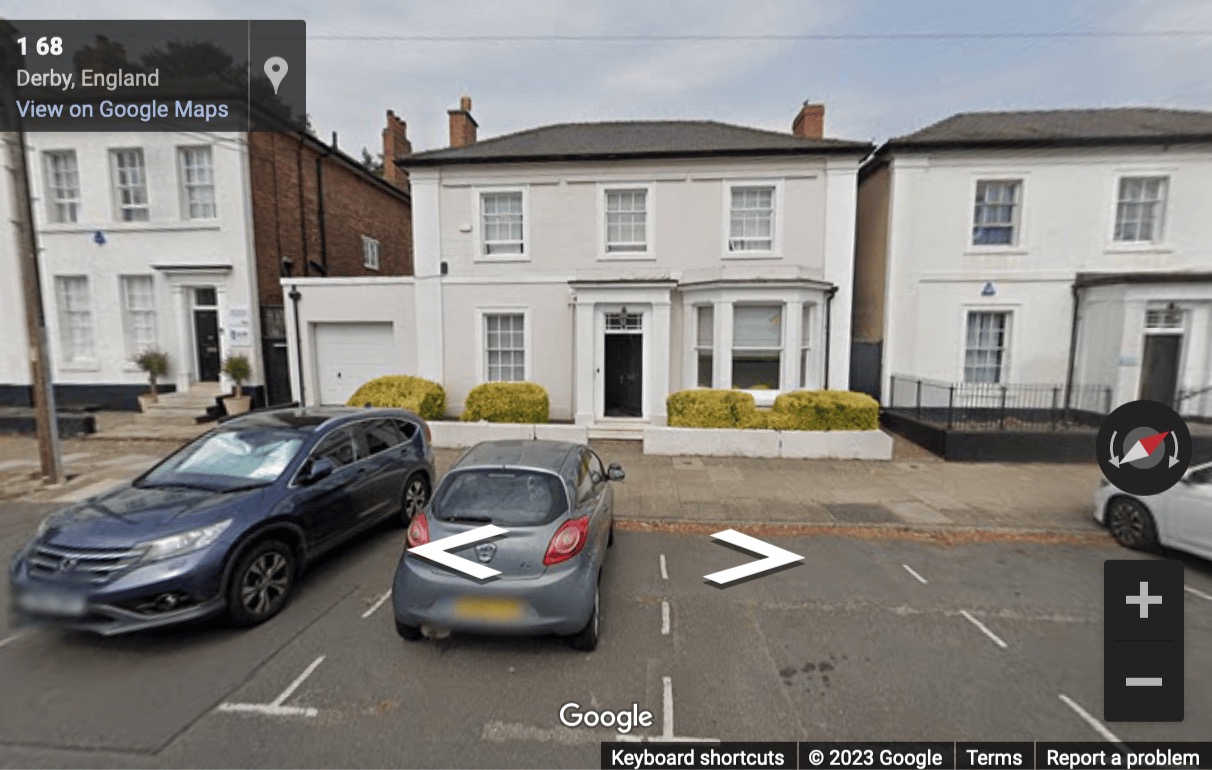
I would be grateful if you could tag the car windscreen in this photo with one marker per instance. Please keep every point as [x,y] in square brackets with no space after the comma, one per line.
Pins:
[507,498]
[227,460]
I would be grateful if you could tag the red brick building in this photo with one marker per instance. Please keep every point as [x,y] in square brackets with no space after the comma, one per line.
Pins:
[319,212]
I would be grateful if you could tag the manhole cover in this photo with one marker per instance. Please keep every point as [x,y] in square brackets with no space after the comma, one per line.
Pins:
[861,513]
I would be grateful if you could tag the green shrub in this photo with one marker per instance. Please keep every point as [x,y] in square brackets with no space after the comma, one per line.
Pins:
[711,409]
[399,391]
[239,368]
[524,402]
[828,410]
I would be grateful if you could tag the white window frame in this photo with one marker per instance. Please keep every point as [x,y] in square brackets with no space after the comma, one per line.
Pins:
[54,203]
[1016,239]
[649,251]
[781,304]
[186,186]
[481,331]
[698,348]
[804,360]
[777,212]
[64,320]
[116,188]
[1160,225]
[1007,349]
[370,253]
[477,208]
[133,347]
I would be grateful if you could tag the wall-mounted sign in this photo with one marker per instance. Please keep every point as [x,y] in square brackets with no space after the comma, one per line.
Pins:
[239,325]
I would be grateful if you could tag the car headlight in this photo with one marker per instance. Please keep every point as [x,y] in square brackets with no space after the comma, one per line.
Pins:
[176,545]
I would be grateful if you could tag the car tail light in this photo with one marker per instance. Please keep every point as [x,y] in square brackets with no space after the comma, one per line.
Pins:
[568,541]
[418,531]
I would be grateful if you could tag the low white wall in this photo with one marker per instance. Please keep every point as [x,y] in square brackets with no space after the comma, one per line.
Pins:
[459,435]
[792,444]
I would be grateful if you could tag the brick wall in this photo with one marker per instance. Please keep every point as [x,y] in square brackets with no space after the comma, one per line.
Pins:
[286,218]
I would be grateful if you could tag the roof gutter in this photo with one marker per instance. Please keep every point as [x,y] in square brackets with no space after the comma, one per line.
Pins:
[420,161]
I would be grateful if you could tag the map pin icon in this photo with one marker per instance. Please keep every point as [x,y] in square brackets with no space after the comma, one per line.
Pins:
[275,70]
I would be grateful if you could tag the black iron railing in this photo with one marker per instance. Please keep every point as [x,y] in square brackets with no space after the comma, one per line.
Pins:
[1195,403]
[999,406]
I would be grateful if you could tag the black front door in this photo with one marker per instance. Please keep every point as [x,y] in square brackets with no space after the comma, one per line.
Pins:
[624,375]
[206,336]
[1159,370]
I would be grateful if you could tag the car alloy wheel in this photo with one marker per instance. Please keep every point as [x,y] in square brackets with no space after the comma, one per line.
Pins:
[416,495]
[1131,524]
[261,583]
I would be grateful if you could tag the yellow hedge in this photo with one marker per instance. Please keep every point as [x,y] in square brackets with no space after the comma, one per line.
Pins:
[828,410]
[400,391]
[799,410]
[524,402]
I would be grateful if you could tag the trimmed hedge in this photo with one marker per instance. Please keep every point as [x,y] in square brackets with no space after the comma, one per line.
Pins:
[524,402]
[400,391]
[799,410]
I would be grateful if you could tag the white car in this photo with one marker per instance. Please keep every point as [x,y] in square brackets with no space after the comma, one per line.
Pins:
[1179,518]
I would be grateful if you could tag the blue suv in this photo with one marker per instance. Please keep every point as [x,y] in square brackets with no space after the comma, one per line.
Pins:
[227,523]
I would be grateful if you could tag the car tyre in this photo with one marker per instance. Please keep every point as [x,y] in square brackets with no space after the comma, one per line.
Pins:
[261,583]
[408,633]
[414,498]
[1131,524]
[586,639]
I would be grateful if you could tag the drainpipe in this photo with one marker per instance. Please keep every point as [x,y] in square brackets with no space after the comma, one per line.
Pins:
[296,295]
[828,329]
[1076,291]
[302,208]
[320,201]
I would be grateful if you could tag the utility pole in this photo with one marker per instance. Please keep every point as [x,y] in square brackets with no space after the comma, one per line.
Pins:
[27,255]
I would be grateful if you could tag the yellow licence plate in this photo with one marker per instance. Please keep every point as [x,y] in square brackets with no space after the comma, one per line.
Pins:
[481,608]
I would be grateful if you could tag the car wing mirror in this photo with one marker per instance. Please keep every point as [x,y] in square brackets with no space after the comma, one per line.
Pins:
[320,469]
[615,472]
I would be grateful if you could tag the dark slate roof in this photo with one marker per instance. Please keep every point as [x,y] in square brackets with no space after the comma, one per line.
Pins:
[633,139]
[1124,125]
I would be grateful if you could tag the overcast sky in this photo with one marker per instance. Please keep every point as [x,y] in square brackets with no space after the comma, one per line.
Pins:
[872,89]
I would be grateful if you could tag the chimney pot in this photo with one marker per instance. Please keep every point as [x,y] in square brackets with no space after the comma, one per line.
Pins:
[810,122]
[465,104]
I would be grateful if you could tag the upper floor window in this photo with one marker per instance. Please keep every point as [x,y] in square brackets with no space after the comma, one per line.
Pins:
[62,186]
[130,184]
[198,182]
[995,218]
[751,219]
[1139,209]
[370,253]
[503,231]
[627,220]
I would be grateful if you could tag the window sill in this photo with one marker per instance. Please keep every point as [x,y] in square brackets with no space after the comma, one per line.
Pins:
[1139,248]
[627,256]
[996,251]
[753,255]
[509,258]
[80,366]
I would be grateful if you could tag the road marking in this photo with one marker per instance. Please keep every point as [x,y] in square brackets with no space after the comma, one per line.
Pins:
[911,571]
[664,571]
[664,618]
[501,732]
[276,709]
[996,639]
[666,735]
[378,603]
[1197,592]
[1098,726]
[14,638]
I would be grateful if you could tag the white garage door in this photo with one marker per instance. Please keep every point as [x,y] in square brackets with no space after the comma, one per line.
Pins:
[349,354]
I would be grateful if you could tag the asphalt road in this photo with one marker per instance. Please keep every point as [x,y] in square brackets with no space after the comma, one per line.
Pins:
[979,642]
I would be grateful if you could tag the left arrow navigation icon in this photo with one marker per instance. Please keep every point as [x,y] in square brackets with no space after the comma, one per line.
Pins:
[437,551]
[775,557]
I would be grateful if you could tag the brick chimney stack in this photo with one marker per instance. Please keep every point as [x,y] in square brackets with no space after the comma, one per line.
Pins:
[810,122]
[395,145]
[462,124]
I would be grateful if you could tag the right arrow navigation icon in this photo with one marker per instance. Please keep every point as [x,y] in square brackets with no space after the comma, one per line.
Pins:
[775,558]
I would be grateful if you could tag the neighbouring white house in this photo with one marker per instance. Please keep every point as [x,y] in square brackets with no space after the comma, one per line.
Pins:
[1066,250]
[145,242]
[612,263]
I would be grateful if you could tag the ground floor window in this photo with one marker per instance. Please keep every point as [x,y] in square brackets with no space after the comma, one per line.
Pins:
[504,347]
[757,346]
[985,347]
[75,318]
[704,345]
[805,347]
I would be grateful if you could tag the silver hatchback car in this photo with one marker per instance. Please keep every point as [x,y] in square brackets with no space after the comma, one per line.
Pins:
[555,501]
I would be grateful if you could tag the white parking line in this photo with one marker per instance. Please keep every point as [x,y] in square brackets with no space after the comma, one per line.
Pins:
[6,641]
[1098,726]
[664,618]
[666,722]
[1199,593]
[664,571]
[996,639]
[913,572]
[276,709]
[378,603]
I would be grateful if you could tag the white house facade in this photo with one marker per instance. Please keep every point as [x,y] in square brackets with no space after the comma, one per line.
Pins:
[1070,250]
[613,264]
[145,242]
